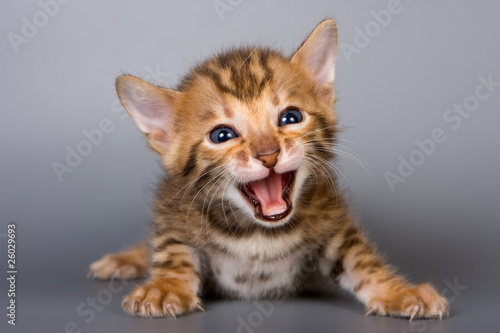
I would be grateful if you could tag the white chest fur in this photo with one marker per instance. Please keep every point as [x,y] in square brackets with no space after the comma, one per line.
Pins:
[257,266]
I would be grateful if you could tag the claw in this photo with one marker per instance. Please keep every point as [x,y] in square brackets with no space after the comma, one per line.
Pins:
[371,311]
[199,307]
[148,309]
[136,306]
[170,310]
[114,276]
[92,274]
[414,312]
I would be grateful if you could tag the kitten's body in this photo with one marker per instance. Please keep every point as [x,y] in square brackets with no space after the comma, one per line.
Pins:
[249,207]
[254,262]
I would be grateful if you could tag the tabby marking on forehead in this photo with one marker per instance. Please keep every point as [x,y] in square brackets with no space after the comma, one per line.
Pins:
[241,73]
[228,112]
[250,206]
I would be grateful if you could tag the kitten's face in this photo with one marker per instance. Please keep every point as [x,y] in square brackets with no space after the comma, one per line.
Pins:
[247,127]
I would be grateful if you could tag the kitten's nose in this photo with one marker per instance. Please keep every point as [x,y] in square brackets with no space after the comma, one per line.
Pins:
[269,160]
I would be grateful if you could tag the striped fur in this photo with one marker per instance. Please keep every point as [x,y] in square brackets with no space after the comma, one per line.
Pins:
[205,237]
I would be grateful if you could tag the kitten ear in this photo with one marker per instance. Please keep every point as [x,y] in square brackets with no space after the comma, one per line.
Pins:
[318,53]
[151,107]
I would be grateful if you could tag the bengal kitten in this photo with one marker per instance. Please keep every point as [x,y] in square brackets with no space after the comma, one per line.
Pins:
[249,207]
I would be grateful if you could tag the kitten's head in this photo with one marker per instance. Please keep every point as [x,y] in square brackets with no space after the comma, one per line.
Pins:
[247,127]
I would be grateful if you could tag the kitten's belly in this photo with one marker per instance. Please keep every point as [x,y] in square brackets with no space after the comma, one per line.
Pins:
[242,277]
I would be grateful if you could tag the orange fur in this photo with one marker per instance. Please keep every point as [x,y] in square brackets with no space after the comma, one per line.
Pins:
[211,233]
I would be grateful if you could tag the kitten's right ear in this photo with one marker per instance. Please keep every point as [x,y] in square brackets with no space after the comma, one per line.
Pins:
[151,107]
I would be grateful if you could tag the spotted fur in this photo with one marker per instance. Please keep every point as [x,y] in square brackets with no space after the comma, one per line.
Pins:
[206,236]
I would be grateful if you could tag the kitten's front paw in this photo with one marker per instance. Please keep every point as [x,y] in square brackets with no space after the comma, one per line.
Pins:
[418,302]
[118,266]
[167,298]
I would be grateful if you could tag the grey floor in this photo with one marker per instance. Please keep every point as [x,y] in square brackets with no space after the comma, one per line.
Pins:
[69,305]
[55,296]
[440,224]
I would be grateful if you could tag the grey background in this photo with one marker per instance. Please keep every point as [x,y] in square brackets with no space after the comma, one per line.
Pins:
[439,225]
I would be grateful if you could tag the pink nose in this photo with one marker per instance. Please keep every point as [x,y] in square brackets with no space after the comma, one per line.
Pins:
[269,160]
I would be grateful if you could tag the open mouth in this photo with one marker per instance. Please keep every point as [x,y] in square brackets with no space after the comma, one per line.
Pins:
[270,197]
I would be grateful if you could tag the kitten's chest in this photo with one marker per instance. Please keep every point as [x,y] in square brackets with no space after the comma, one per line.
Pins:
[257,267]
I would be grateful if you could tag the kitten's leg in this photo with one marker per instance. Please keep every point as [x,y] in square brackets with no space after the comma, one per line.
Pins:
[351,260]
[132,263]
[174,282]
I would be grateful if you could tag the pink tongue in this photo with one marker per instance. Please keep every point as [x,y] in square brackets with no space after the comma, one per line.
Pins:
[268,191]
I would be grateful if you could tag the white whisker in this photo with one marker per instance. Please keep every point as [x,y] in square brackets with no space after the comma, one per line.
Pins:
[199,191]
[192,182]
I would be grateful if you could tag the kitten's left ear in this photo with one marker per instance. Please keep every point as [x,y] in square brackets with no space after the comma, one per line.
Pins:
[318,53]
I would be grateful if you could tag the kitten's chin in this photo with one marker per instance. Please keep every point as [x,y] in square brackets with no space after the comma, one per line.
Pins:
[270,198]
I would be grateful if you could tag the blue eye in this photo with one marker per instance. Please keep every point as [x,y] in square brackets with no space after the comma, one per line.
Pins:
[290,116]
[222,134]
